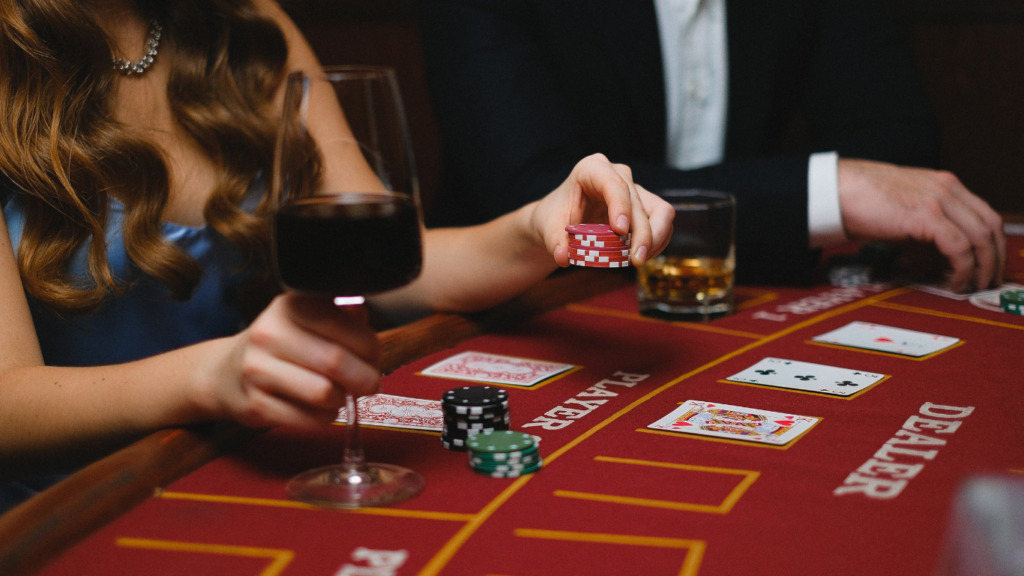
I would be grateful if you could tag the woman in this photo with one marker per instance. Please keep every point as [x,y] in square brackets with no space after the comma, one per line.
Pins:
[134,226]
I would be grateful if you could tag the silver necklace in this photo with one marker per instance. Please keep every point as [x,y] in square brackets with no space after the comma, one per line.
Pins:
[142,64]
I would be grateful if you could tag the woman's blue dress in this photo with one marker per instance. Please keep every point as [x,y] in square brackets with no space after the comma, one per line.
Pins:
[145,321]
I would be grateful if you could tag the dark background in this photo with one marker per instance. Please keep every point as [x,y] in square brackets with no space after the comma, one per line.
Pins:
[970,54]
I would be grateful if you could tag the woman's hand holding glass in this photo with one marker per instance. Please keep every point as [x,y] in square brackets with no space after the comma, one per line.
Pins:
[293,365]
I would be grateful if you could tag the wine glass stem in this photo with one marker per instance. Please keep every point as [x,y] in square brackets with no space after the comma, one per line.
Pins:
[354,458]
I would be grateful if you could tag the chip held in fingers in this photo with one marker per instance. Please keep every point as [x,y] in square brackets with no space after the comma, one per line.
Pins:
[597,246]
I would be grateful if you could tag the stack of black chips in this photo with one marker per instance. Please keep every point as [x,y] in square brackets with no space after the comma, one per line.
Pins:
[470,410]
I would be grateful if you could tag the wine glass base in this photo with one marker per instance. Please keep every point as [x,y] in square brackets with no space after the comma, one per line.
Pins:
[337,487]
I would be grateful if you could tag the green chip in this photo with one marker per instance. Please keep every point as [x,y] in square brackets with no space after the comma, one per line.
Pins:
[510,473]
[1011,297]
[504,466]
[506,456]
[500,441]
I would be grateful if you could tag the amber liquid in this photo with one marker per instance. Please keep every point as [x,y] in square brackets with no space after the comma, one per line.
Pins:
[348,244]
[679,285]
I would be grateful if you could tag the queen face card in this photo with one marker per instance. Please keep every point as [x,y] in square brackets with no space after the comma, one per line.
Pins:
[807,377]
[887,339]
[397,412]
[496,369]
[735,423]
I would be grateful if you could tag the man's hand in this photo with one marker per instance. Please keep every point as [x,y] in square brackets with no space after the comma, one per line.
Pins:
[886,202]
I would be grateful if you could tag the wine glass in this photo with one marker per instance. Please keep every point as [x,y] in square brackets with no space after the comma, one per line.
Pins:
[347,223]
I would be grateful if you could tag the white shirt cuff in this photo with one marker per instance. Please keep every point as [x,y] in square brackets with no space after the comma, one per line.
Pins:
[824,216]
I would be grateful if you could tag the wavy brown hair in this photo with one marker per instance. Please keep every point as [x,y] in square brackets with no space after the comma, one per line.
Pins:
[64,153]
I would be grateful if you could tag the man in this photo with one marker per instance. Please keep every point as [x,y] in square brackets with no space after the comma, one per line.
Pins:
[522,87]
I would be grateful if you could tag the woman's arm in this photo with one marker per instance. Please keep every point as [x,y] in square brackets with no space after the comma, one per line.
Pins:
[288,367]
[467,269]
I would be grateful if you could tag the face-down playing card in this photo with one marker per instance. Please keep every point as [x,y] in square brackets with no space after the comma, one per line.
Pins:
[807,377]
[735,422]
[887,339]
[397,412]
[496,369]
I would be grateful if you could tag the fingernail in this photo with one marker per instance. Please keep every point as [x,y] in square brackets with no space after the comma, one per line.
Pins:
[641,255]
[623,222]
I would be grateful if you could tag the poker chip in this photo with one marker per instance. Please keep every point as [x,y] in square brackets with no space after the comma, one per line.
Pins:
[600,243]
[1012,301]
[475,396]
[575,250]
[510,473]
[504,454]
[585,264]
[612,258]
[472,410]
[504,441]
[599,237]
[599,229]
[504,464]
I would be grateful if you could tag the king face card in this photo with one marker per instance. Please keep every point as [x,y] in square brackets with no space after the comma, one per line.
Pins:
[496,369]
[735,423]
[887,339]
[807,377]
[397,412]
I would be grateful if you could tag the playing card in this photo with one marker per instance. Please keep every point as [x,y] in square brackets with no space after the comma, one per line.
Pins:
[397,412]
[944,291]
[781,373]
[887,339]
[735,422]
[496,369]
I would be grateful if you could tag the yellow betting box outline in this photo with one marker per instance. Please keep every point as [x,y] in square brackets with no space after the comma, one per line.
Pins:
[889,354]
[749,477]
[280,558]
[694,548]
[536,386]
[634,316]
[811,392]
[438,562]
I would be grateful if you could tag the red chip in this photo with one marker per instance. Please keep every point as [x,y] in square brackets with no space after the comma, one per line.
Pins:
[599,229]
[624,264]
[602,258]
[577,250]
[599,243]
[599,237]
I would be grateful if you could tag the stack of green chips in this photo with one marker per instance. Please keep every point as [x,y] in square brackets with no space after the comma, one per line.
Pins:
[1012,301]
[504,453]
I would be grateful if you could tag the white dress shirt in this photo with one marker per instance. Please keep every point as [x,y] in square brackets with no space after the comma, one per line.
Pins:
[695,51]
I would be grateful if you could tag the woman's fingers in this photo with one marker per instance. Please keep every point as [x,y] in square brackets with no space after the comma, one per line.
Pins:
[298,359]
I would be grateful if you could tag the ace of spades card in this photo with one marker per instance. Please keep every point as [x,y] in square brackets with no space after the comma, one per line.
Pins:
[735,422]
[807,377]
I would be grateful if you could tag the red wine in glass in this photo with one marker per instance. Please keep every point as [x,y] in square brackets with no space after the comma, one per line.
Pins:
[348,244]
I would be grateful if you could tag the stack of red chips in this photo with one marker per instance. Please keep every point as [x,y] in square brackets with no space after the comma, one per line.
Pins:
[597,246]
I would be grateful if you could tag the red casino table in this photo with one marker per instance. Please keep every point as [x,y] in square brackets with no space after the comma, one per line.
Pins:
[867,490]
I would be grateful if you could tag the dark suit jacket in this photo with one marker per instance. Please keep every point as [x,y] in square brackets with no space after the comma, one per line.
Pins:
[523,89]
